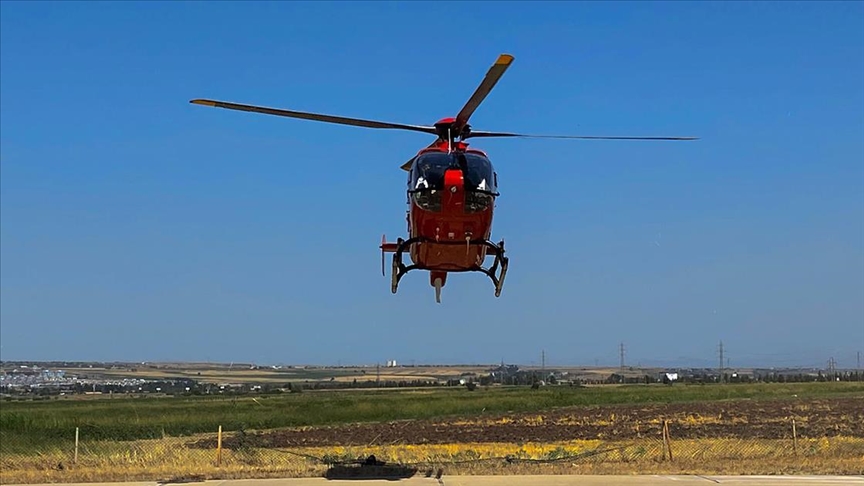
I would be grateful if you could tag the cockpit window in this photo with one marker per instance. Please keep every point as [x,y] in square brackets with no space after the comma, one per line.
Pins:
[480,174]
[428,171]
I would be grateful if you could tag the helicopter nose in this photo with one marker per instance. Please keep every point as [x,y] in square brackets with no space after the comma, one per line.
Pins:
[453,179]
[453,204]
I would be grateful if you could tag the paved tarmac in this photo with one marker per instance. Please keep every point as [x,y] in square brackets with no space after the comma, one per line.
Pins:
[575,480]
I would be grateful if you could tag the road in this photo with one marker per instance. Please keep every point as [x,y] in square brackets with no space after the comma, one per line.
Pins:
[576,480]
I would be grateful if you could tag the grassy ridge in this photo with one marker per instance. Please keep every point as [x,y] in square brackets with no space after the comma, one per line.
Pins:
[28,425]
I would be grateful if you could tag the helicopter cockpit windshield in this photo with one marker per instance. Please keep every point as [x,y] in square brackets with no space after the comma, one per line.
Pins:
[427,179]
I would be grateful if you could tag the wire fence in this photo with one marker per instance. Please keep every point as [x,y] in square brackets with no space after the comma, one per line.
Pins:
[88,456]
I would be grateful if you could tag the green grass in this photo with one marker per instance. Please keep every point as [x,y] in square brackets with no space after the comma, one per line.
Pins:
[31,425]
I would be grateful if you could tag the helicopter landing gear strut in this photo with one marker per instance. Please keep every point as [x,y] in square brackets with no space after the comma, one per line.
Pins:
[496,272]
[399,269]
[502,260]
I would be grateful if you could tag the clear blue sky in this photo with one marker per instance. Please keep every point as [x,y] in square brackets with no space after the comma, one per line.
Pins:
[136,226]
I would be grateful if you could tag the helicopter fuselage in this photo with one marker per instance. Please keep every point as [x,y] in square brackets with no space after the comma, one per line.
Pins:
[449,216]
[451,201]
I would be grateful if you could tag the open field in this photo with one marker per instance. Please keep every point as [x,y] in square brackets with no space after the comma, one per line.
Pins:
[215,373]
[746,419]
[713,429]
[28,424]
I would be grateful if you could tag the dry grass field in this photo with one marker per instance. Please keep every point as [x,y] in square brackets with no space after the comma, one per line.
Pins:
[172,458]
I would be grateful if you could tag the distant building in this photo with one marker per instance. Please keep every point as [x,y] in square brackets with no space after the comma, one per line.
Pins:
[668,377]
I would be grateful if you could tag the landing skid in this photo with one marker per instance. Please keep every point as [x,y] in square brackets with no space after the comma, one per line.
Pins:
[399,269]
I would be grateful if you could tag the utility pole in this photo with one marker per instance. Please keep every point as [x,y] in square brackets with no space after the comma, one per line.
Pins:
[859,360]
[721,361]
[831,366]
[543,361]
[377,375]
[621,353]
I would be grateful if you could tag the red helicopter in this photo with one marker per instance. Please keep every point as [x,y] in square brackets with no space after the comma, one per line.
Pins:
[451,191]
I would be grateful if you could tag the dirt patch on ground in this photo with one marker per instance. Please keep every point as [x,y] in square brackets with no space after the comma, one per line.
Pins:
[734,419]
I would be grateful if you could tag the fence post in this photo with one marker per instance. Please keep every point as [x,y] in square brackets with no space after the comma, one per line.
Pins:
[663,433]
[667,440]
[219,448]
[75,460]
[794,438]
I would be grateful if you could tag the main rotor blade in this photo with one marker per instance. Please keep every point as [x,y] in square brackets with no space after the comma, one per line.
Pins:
[314,116]
[492,76]
[585,137]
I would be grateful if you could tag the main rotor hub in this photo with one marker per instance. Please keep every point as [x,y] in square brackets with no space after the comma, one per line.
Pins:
[448,129]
